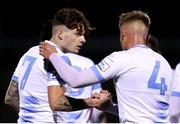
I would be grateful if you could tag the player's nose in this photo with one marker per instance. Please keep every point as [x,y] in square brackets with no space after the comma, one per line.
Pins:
[82,39]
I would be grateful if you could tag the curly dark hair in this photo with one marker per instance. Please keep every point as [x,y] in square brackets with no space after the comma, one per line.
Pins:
[72,18]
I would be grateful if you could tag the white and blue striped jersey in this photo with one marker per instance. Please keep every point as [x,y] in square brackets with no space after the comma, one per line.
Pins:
[32,85]
[175,96]
[82,116]
[143,81]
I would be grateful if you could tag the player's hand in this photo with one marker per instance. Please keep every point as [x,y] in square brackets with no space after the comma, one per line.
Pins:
[46,50]
[99,99]
[106,103]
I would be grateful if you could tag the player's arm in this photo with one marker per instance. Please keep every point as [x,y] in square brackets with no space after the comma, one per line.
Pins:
[110,108]
[12,95]
[59,102]
[57,99]
[56,91]
[72,76]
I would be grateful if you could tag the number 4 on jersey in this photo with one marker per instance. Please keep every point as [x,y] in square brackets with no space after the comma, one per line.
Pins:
[152,81]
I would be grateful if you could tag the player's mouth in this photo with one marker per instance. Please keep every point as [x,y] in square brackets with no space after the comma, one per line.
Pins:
[79,47]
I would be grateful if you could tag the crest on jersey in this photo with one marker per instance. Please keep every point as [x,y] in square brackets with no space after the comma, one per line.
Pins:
[103,66]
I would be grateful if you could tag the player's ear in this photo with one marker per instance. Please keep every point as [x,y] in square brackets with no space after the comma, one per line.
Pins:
[122,34]
[60,34]
[147,37]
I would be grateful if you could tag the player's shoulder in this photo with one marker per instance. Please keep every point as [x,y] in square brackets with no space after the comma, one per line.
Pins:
[118,55]
[33,49]
[178,66]
[79,58]
[33,52]
[76,56]
[177,69]
[162,59]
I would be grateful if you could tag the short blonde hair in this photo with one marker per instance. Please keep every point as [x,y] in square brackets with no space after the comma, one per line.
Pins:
[133,16]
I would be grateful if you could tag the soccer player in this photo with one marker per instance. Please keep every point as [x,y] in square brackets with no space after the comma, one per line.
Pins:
[175,96]
[142,77]
[28,91]
[55,91]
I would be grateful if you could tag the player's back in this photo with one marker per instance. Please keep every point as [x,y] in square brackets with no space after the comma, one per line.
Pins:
[82,116]
[143,85]
[32,79]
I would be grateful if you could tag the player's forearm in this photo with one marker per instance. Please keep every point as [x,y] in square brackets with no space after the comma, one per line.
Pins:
[12,95]
[65,103]
[73,77]
[95,102]
[61,104]
[14,103]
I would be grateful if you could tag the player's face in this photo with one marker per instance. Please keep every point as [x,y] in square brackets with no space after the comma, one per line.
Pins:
[73,41]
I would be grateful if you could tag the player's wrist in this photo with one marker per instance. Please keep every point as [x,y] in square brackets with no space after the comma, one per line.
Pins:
[90,102]
[53,56]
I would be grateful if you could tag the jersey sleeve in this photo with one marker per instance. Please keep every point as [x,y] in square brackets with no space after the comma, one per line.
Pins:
[54,78]
[107,68]
[96,88]
[17,70]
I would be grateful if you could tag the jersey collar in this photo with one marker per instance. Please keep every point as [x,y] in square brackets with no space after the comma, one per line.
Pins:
[53,44]
[141,45]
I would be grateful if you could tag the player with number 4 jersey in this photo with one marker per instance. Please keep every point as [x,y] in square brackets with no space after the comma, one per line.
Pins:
[142,77]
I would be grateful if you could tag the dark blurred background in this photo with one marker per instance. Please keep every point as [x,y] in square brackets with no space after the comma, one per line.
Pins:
[21,22]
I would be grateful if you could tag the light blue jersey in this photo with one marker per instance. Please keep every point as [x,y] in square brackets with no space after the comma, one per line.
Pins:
[143,84]
[82,116]
[32,85]
[142,77]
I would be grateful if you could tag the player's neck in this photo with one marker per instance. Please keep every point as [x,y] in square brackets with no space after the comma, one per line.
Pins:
[57,43]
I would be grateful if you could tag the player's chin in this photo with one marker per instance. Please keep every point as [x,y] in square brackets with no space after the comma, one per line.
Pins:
[77,50]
